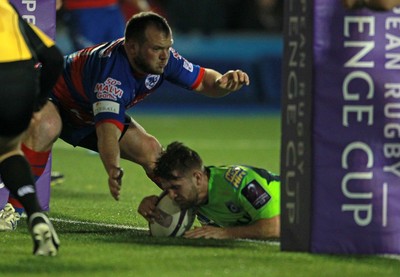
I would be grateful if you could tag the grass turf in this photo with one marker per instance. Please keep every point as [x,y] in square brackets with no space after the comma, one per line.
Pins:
[102,237]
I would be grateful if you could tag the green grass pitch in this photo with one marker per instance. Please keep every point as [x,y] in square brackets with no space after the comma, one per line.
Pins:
[103,237]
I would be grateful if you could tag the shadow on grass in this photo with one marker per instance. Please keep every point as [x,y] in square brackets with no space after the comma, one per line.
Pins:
[131,235]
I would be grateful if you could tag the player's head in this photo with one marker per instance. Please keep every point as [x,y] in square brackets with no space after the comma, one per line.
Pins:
[176,161]
[181,172]
[137,25]
[148,39]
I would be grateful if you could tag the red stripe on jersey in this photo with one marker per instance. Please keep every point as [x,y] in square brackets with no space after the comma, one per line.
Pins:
[110,48]
[199,78]
[76,113]
[60,90]
[77,66]
[119,125]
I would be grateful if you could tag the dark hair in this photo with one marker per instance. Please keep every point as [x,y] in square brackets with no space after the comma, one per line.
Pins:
[176,157]
[138,23]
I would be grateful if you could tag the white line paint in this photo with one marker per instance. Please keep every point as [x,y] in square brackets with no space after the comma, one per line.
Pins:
[117,226]
[128,227]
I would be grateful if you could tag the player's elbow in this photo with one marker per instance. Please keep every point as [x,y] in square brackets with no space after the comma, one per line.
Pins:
[275,234]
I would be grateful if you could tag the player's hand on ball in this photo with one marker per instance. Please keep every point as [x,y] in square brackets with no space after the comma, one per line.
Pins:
[233,80]
[147,208]
[115,181]
[207,232]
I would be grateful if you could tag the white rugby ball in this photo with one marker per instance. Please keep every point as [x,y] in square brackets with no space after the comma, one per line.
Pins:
[173,221]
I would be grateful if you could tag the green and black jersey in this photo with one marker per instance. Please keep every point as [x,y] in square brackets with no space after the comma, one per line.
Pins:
[240,195]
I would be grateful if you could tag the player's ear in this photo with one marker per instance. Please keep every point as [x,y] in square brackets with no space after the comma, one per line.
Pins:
[198,175]
[132,47]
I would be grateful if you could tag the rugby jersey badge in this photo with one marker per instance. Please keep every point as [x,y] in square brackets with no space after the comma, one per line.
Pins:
[151,81]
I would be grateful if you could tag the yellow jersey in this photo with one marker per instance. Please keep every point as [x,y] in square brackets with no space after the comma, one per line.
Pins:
[13,46]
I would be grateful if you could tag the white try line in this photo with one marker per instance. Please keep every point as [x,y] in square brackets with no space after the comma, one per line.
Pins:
[117,226]
[128,227]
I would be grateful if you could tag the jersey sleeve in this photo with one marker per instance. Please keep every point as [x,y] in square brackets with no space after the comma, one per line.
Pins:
[260,198]
[108,111]
[182,72]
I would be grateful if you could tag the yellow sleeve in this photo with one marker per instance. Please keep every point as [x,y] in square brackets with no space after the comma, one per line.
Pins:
[15,48]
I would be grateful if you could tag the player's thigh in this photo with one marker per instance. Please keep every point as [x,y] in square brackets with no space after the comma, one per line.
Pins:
[139,146]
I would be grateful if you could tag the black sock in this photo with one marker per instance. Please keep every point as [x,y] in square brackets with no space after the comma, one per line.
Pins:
[16,174]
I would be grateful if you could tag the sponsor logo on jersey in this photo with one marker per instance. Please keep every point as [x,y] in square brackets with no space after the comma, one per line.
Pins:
[204,220]
[175,54]
[105,107]
[108,89]
[235,175]
[151,81]
[188,65]
[233,207]
[256,194]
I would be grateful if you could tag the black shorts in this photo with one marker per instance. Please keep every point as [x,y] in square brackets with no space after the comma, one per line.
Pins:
[19,90]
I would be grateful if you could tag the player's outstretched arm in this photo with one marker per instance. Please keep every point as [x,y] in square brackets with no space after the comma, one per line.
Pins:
[261,229]
[108,135]
[216,85]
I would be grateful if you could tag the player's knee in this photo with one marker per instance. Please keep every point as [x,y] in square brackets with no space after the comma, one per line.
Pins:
[54,126]
[44,129]
[47,129]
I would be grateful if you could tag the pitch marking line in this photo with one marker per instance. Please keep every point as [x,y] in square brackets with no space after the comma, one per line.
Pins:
[128,227]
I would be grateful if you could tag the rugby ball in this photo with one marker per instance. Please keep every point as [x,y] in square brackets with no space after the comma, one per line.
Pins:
[173,221]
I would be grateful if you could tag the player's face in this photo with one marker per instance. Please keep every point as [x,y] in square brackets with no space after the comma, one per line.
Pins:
[152,56]
[184,191]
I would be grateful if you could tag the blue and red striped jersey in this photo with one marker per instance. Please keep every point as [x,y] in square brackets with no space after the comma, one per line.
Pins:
[99,84]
